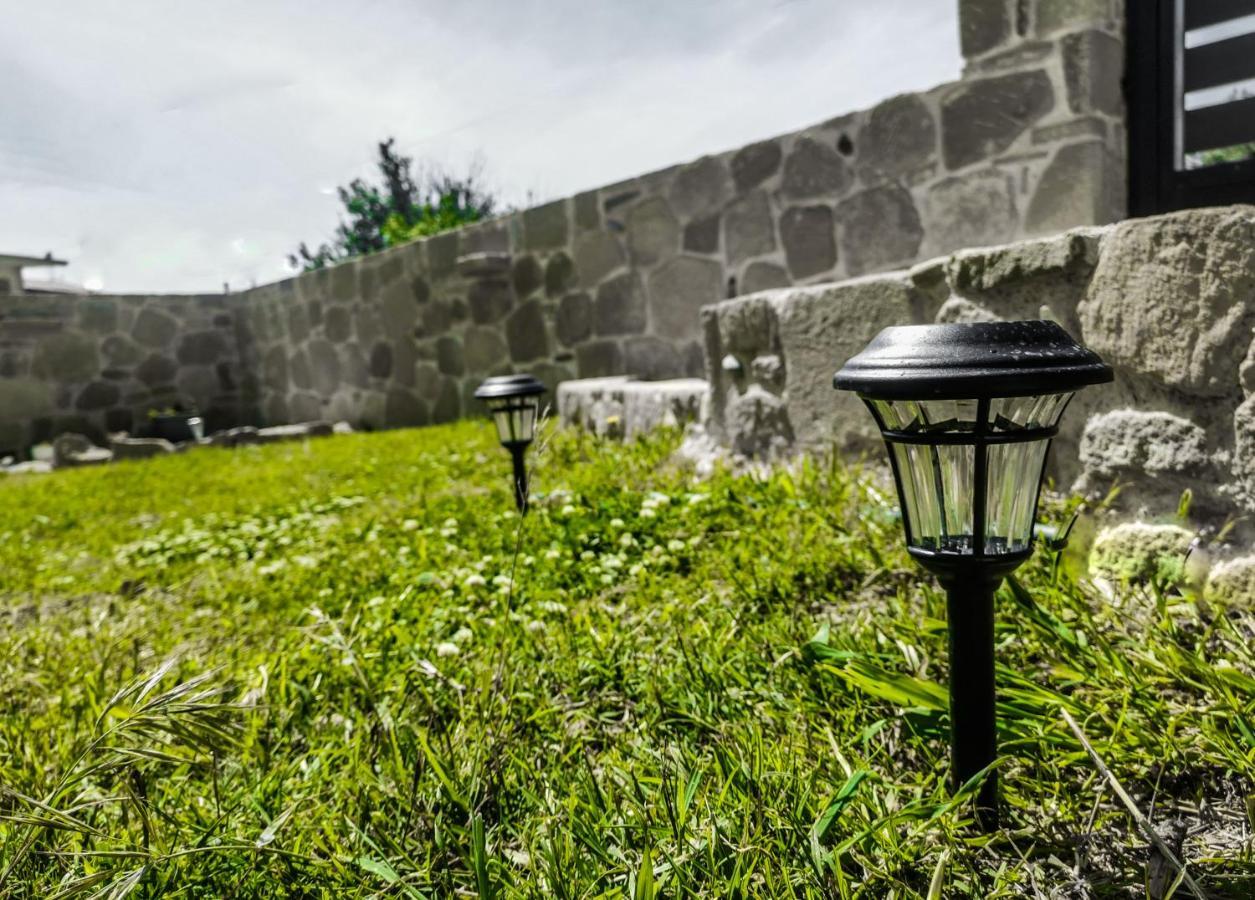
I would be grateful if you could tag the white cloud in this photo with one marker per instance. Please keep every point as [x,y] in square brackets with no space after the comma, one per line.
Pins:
[148,141]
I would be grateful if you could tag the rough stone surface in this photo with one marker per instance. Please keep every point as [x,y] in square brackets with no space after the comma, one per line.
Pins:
[748,230]
[489,300]
[762,276]
[651,357]
[525,333]
[483,348]
[620,407]
[753,165]
[546,226]
[154,329]
[598,359]
[620,306]
[959,310]
[1165,303]
[597,254]
[652,231]
[973,210]
[701,187]
[981,118]
[71,450]
[1232,582]
[702,235]
[1093,67]
[1054,15]
[449,356]
[983,25]
[1082,186]
[1156,455]
[526,275]
[678,289]
[65,358]
[758,423]
[1138,552]
[814,169]
[560,275]
[879,227]
[574,320]
[809,238]
[138,448]
[900,135]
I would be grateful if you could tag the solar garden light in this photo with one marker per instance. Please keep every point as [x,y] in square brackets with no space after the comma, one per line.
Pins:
[514,401]
[967,413]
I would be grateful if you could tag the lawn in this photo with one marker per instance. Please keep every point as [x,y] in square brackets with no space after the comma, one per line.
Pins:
[346,668]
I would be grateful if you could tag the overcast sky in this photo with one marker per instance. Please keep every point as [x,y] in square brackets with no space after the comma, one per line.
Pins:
[172,146]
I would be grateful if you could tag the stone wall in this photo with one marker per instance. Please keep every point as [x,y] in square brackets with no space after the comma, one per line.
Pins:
[1168,301]
[97,364]
[611,281]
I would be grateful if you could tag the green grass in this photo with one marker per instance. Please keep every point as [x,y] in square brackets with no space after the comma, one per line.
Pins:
[347,669]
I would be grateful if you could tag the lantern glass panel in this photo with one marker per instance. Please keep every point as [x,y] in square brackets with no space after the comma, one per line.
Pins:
[937,495]
[1017,413]
[1014,471]
[927,416]
[515,418]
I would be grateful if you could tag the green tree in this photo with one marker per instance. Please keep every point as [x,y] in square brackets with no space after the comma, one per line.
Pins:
[401,207]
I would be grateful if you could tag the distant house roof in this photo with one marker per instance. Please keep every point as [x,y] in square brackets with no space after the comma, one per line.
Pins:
[13,259]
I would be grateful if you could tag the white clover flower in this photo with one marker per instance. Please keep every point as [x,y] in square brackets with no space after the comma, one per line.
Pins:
[626,540]
[535,626]
[528,561]
[449,523]
[475,581]
[447,648]
[553,553]
[567,510]
[552,606]
[636,569]
[462,635]
[657,499]
[587,555]
[695,540]
[616,523]
[647,512]
[657,550]
[694,499]
[607,578]
[675,546]
[409,525]
[610,561]
[501,580]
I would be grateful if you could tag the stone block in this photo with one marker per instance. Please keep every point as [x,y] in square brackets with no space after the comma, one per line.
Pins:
[380,365]
[324,367]
[98,314]
[448,403]
[138,448]
[820,328]
[1071,255]
[526,334]
[72,450]
[678,289]
[489,300]
[763,276]
[1231,583]
[597,359]
[1093,70]
[1056,15]
[701,187]
[754,164]
[880,227]
[814,169]
[1156,455]
[97,395]
[295,432]
[702,235]
[900,135]
[337,324]
[154,328]
[748,229]
[202,348]
[1136,552]
[66,357]
[526,276]
[960,311]
[597,254]
[651,358]
[449,355]
[620,306]
[653,232]
[973,210]
[981,118]
[1083,185]
[620,407]
[119,351]
[587,213]
[809,237]
[983,25]
[545,227]
[560,275]
[403,410]
[757,423]
[483,349]
[483,265]
[574,320]
[1165,302]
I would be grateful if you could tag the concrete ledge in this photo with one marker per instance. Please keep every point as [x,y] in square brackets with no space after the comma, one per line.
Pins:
[620,407]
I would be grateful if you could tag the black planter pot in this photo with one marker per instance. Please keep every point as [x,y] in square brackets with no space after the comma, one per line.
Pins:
[178,427]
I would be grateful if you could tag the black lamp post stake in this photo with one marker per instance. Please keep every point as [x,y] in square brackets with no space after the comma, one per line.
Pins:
[514,401]
[967,413]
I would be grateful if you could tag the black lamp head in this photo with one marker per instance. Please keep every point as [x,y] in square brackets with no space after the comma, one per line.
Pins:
[513,401]
[967,412]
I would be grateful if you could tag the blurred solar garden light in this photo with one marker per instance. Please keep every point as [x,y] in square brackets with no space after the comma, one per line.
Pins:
[967,413]
[514,403]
